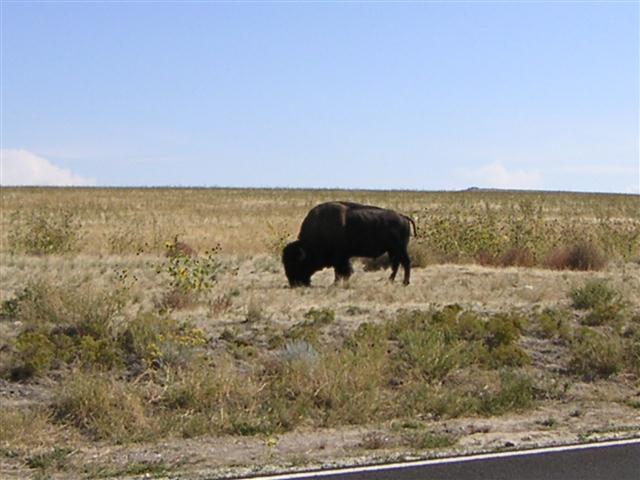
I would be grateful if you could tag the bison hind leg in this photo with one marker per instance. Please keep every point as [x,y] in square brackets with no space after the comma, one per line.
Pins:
[395,263]
[406,265]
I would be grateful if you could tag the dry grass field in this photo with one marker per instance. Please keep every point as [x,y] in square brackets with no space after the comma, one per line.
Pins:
[152,331]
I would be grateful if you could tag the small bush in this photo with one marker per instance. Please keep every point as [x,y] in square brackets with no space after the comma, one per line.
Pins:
[517,257]
[43,232]
[34,355]
[222,303]
[299,351]
[333,388]
[176,248]
[632,354]
[255,311]
[175,299]
[552,323]
[152,341]
[503,330]
[190,274]
[596,355]
[516,393]
[580,256]
[593,294]
[420,255]
[470,391]
[602,314]
[430,354]
[509,355]
[604,303]
[102,408]
[214,398]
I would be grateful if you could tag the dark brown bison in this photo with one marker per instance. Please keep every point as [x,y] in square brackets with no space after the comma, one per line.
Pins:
[334,232]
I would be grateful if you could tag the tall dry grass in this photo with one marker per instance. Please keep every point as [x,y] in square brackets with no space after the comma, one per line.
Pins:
[254,221]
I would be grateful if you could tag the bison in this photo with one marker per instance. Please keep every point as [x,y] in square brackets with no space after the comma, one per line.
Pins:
[333,232]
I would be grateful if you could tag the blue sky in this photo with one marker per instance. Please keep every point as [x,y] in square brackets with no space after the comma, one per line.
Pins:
[352,95]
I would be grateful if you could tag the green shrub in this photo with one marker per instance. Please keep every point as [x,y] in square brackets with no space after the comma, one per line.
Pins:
[34,355]
[516,393]
[191,274]
[473,392]
[632,354]
[605,305]
[330,387]
[430,354]
[553,323]
[87,328]
[150,340]
[507,355]
[503,329]
[42,232]
[593,294]
[604,314]
[596,355]
[502,332]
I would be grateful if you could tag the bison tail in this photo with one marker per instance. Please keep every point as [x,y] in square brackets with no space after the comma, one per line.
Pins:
[415,231]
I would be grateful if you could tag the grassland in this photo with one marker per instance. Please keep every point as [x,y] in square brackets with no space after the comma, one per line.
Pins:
[123,354]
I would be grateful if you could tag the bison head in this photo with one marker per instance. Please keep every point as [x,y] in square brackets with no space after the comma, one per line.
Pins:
[297,264]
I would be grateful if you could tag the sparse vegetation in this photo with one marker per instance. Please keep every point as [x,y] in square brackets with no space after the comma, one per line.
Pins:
[125,342]
[43,231]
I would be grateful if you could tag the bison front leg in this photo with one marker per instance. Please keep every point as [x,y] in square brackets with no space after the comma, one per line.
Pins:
[343,270]
[395,263]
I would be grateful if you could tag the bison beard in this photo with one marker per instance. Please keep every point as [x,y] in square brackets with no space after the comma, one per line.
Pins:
[333,232]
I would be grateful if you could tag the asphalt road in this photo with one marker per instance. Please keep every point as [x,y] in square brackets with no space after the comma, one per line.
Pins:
[619,460]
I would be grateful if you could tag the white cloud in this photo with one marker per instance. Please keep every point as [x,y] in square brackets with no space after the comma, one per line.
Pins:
[20,167]
[495,175]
